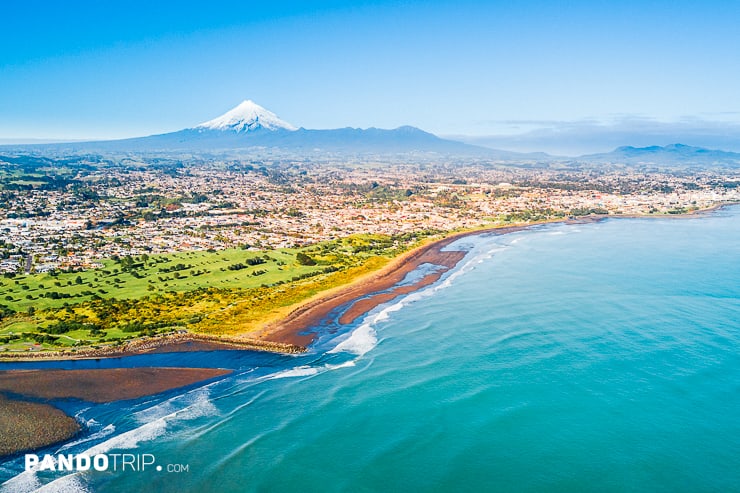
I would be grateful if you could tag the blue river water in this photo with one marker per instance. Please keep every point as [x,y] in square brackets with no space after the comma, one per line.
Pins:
[588,357]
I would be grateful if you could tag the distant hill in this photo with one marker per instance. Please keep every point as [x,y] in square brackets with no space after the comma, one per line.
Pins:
[670,155]
[349,140]
[250,126]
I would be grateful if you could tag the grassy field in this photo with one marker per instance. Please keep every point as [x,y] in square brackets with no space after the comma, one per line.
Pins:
[224,292]
[178,272]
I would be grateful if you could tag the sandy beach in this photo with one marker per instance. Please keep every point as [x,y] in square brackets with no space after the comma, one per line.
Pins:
[28,425]
[289,334]
[343,306]
[31,425]
[374,290]
[101,385]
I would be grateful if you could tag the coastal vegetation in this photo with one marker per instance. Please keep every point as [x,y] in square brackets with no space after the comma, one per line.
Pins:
[232,291]
[100,249]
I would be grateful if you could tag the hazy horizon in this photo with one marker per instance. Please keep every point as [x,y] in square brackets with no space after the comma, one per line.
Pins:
[556,138]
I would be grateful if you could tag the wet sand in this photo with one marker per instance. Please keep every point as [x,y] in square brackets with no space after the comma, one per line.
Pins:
[30,425]
[289,334]
[373,291]
[101,385]
[362,306]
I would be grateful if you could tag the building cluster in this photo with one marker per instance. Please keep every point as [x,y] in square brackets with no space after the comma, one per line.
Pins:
[207,206]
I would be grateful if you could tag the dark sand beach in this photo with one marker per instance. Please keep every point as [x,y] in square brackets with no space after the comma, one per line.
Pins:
[30,425]
[101,385]
[287,336]
[373,291]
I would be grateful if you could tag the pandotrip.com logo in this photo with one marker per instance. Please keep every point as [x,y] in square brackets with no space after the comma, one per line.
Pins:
[100,462]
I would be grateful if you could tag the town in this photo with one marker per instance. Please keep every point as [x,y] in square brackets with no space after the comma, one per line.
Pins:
[123,210]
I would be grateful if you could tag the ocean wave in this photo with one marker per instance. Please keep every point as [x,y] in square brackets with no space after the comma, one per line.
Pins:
[196,403]
[469,264]
[299,371]
[102,433]
[22,483]
[71,483]
[199,406]
[156,411]
[346,364]
[307,371]
[91,423]
[225,418]
[360,341]
[131,439]
[364,338]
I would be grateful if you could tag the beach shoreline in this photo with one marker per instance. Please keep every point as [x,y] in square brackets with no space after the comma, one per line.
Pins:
[27,426]
[380,287]
[30,421]
[287,335]
[290,334]
[365,294]
[30,390]
[166,343]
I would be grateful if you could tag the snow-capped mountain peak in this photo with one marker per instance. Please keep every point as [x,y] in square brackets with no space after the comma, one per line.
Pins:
[246,117]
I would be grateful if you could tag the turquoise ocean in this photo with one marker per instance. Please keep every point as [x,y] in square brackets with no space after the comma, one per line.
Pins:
[590,357]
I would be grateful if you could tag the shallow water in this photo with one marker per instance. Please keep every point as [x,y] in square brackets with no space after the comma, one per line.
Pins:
[595,357]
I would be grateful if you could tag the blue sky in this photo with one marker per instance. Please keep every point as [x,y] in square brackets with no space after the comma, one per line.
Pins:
[117,69]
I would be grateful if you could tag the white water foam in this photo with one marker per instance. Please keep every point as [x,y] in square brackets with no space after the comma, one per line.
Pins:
[298,371]
[22,483]
[156,411]
[466,267]
[28,481]
[71,483]
[199,432]
[131,439]
[364,338]
[360,341]
[103,432]
[346,364]
[194,404]
[199,404]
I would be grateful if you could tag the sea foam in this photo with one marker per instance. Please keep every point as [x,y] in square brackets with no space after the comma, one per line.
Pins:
[299,371]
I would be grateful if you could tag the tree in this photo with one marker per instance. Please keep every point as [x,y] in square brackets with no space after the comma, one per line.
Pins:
[304,259]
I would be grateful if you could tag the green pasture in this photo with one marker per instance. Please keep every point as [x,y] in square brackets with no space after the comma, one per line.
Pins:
[35,303]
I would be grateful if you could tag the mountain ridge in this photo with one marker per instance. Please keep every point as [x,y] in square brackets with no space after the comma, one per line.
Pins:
[250,126]
[672,154]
